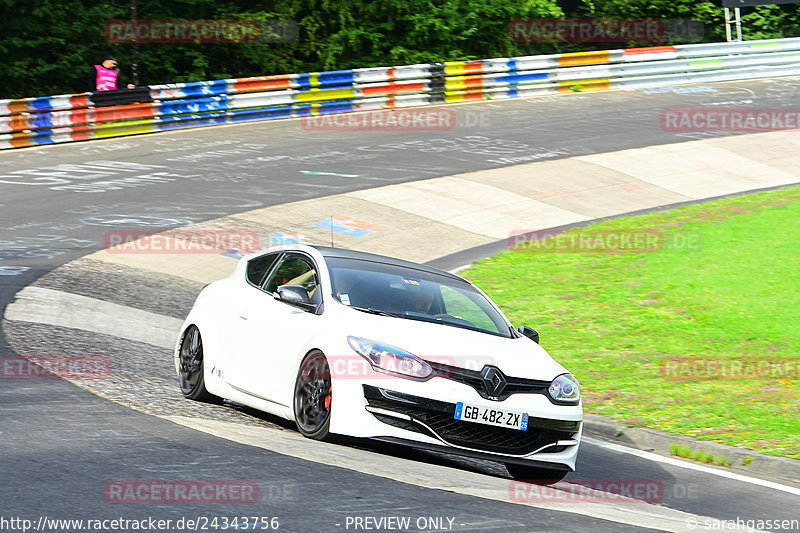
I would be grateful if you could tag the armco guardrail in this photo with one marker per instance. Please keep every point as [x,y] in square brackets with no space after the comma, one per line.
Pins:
[66,118]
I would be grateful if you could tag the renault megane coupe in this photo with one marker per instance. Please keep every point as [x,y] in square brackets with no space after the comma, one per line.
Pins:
[361,345]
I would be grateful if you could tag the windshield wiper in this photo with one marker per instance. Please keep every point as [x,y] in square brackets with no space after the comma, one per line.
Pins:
[424,318]
[372,311]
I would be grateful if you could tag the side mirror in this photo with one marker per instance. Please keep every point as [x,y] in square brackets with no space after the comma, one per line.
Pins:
[294,295]
[531,333]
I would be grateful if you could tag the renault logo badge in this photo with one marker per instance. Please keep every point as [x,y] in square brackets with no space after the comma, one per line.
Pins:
[493,380]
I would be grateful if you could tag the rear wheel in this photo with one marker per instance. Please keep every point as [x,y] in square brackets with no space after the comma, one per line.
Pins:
[535,474]
[312,397]
[190,368]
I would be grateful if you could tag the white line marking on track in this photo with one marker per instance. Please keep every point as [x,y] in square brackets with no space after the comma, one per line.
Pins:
[690,466]
[58,308]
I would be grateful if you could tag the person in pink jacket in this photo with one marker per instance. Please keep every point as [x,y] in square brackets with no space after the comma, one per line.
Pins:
[104,77]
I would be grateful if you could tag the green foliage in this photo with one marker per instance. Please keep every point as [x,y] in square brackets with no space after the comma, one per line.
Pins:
[763,22]
[698,455]
[346,34]
[679,450]
[48,46]
[709,13]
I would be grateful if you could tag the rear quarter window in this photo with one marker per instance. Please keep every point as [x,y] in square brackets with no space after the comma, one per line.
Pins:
[259,267]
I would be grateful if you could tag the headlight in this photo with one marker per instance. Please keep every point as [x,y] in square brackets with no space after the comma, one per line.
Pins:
[565,389]
[390,359]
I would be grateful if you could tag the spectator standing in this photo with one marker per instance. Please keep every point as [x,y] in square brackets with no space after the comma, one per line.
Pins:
[104,77]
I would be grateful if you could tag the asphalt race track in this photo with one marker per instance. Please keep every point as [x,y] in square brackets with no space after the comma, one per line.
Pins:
[63,444]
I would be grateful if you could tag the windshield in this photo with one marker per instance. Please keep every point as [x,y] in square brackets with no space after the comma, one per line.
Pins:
[413,294]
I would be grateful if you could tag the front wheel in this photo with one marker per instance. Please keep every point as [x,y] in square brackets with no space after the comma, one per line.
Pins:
[190,368]
[535,474]
[313,396]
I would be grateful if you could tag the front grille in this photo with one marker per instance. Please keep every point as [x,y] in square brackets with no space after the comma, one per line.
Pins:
[474,379]
[438,416]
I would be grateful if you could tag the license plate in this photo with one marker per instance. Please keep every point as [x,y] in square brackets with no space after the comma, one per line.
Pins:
[491,417]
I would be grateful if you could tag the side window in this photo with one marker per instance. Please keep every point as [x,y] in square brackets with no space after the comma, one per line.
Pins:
[258,268]
[294,270]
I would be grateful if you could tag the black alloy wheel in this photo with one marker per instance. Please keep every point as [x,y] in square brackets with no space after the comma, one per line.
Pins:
[313,397]
[190,368]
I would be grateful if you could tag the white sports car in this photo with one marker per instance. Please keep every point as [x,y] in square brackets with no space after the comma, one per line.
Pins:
[362,345]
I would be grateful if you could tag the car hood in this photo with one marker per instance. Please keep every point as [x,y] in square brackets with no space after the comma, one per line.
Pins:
[517,357]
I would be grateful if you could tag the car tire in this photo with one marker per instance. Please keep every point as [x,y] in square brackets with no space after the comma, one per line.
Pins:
[535,474]
[312,397]
[191,371]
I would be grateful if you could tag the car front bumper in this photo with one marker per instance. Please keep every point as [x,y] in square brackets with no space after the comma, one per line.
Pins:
[421,414]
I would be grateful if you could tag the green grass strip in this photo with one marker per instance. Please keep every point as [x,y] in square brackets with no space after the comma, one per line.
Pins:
[695,331]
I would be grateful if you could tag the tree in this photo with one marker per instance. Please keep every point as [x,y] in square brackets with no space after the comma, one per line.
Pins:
[48,46]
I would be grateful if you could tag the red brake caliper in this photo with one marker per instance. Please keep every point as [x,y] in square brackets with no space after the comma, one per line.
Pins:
[328,399]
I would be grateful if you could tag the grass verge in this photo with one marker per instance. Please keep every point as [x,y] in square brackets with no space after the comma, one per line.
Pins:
[693,330]
[698,455]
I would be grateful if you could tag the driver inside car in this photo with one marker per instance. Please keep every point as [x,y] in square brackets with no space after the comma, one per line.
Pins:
[419,300]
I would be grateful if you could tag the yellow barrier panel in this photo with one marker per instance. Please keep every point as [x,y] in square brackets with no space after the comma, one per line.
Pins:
[325,94]
[584,58]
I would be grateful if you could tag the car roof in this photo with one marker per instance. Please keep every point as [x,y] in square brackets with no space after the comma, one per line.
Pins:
[344,253]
